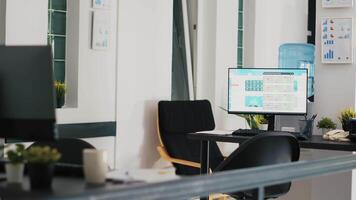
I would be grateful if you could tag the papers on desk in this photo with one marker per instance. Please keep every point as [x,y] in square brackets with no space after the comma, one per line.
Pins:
[146,175]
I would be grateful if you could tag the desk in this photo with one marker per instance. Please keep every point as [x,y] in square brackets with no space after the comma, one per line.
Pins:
[67,187]
[62,187]
[316,142]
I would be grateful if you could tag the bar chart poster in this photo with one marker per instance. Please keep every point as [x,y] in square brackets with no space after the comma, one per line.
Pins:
[337,3]
[336,40]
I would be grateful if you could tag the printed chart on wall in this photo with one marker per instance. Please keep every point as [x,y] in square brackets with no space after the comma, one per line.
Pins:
[336,40]
[337,3]
[101,30]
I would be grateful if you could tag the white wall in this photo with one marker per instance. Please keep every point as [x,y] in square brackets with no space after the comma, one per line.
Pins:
[96,72]
[94,84]
[266,39]
[217,44]
[144,77]
[334,90]
[217,51]
[277,22]
[22,29]
[334,84]
[206,37]
[226,56]
[91,74]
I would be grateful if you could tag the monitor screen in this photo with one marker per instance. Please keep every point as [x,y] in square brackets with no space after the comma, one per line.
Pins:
[26,93]
[267,91]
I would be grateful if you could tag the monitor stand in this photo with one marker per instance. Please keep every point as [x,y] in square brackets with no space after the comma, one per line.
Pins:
[270,119]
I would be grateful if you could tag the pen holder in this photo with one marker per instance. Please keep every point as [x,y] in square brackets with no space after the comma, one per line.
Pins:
[306,127]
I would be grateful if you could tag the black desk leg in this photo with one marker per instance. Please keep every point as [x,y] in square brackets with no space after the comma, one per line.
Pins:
[204,160]
[204,157]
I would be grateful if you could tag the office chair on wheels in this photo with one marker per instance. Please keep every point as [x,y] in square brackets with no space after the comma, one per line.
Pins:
[262,150]
[177,118]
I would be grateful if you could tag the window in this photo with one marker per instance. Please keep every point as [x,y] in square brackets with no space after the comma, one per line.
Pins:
[57,16]
[240,31]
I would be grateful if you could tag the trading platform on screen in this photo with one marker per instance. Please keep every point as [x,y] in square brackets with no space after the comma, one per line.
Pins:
[267,91]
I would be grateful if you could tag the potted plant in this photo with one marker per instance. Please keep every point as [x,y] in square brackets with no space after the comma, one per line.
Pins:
[15,164]
[40,163]
[262,122]
[250,119]
[326,124]
[61,89]
[345,116]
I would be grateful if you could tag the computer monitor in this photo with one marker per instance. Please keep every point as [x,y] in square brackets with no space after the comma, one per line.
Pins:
[27,103]
[271,91]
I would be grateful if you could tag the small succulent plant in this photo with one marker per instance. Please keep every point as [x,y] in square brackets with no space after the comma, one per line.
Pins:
[345,116]
[326,123]
[16,156]
[39,154]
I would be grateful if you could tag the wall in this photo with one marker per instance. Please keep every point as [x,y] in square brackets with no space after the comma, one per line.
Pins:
[272,28]
[206,37]
[143,77]
[96,80]
[217,51]
[266,28]
[333,83]
[226,56]
[217,44]
[91,74]
[334,90]
[265,41]
[95,71]
[19,27]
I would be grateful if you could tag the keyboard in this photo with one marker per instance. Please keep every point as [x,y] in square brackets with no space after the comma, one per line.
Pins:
[254,132]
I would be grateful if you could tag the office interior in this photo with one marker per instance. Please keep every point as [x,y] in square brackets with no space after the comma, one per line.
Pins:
[162,50]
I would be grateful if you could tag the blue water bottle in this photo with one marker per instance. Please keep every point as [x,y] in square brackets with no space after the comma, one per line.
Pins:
[299,55]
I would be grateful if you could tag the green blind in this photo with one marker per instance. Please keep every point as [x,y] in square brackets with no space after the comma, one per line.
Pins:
[240,31]
[57,33]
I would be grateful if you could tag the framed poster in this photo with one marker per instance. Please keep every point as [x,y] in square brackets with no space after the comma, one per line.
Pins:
[337,3]
[336,40]
[102,4]
[101,30]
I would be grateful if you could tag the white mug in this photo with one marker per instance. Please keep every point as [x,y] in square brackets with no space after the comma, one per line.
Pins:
[95,165]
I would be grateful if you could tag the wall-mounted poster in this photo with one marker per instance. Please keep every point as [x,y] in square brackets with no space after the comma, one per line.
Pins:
[337,3]
[336,40]
[101,30]
[102,4]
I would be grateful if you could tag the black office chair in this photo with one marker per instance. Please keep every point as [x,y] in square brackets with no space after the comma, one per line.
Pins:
[71,149]
[261,150]
[175,120]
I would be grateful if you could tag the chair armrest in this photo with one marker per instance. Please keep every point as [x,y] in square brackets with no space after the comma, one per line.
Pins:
[163,153]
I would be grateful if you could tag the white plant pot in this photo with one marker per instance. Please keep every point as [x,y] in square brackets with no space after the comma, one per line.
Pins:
[263,127]
[14,172]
